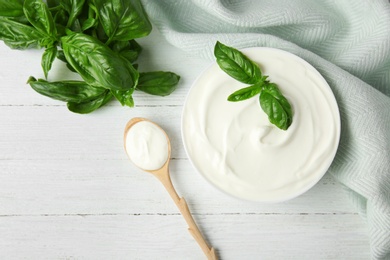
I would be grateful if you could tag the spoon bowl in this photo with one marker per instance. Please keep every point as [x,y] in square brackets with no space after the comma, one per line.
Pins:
[136,120]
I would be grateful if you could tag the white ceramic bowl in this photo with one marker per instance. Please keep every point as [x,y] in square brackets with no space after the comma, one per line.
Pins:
[233,145]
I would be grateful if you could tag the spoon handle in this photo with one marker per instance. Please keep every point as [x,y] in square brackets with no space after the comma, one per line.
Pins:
[185,212]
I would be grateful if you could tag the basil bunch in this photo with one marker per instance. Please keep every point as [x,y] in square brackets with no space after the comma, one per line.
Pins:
[241,68]
[95,38]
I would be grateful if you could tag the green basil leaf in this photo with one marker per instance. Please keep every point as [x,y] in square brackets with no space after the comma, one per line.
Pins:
[61,57]
[38,14]
[97,64]
[130,50]
[88,24]
[11,8]
[76,26]
[134,45]
[90,106]
[160,83]
[17,35]
[20,19]
[60,18]
[46,42]
[67,90]
[53,3]
[236,64]
[119,46]
[123,19]
[129,55]
[47,59]
[276,106]
[124,97]
[245,93]
[74,9]
[89,17]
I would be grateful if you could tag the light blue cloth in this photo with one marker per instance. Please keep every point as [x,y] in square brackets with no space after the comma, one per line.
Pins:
[347,41]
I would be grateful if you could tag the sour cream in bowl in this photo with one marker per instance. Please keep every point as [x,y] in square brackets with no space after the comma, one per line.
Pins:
[235,147]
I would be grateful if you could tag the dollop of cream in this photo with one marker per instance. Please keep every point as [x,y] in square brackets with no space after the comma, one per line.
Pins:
[237,149]
[147,146]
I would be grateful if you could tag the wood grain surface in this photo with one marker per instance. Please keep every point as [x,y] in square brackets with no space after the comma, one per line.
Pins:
[68,190]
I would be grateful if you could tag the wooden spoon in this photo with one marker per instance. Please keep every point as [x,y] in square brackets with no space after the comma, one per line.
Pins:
[163,175]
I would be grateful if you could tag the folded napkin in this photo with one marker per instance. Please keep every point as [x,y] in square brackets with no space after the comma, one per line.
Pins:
[348,42]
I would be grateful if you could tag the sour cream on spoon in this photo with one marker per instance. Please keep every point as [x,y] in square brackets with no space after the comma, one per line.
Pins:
[148,146]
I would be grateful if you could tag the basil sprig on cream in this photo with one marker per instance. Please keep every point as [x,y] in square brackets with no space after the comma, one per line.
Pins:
[241,68]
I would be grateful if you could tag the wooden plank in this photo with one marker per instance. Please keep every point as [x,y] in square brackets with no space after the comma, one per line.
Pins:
[165,237]
[51,187]
[42,132]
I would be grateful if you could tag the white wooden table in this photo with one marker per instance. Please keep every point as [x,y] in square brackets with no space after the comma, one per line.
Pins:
[68,191]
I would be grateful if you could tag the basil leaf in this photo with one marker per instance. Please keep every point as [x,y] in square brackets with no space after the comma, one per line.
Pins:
[20,19]
[88,24]
[90,17]
[97,64]
[38,14]
[236,64]
[17,35]
[158,83]
[61,57]
[123,19]
[60,18]
[130,50]
[132,45]
[124,97]
[276,106]
[53,3]
[47,59]
[76,26]
[74,8]
[129,55]
[245,93]
[68,91]
[11,8]
[90,106]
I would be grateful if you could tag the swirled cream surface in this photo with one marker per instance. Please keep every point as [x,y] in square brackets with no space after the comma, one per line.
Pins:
[147,145]
[236,148]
